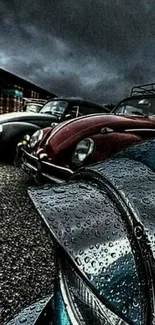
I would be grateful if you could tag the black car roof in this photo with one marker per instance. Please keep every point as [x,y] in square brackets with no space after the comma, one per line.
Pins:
[76,100]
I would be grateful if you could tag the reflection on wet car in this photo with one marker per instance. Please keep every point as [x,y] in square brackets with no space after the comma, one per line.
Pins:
[102,222]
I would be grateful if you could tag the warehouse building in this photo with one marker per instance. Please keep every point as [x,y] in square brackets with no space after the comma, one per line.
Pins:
[14,89]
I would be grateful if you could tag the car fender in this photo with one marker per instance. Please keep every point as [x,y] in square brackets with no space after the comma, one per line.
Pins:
[98,218]
[108,144]
[10,131]
[37,313]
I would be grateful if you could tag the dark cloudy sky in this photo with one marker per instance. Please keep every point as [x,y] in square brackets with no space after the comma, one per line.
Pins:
[96,49]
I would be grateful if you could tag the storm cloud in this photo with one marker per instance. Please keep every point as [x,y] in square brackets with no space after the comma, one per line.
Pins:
[93,49]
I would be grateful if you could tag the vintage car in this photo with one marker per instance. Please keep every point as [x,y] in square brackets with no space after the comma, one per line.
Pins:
[13,126]
[32,104]
[102,223]
[56,152]
[141,101]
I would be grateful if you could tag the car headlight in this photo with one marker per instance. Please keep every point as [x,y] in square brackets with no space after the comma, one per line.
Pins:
[36,138]
[83,149]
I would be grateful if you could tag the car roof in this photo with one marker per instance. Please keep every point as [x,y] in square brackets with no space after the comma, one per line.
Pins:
[76,100]
[35,104]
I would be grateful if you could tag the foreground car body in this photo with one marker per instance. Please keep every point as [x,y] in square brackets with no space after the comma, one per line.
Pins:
[102,221]
[15,125]
[56,153]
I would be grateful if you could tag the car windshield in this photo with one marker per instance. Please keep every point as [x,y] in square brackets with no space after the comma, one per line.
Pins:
[144,107]
[55,107]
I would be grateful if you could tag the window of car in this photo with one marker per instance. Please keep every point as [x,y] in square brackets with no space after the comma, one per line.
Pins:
[73,111]
[84,110]
[143,106]
[78,110]
[55,107]
[32,107]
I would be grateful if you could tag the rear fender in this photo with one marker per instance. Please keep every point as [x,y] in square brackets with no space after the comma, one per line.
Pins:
[101,221]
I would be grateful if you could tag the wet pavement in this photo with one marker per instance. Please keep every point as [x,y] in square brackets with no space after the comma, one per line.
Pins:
[27,248]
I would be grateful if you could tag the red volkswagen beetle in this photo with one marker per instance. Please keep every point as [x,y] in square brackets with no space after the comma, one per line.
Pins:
[57,151]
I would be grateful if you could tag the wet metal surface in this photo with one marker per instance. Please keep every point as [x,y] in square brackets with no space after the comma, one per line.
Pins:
[30,314]
[27,250]
[87,223]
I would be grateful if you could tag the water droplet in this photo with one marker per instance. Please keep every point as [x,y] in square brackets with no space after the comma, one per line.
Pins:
[78,261]
[59,190]
[138,231]
[124,310]
[23,320]
[97,234]
[107,222]
[68,229]
[87,259]
[93,263]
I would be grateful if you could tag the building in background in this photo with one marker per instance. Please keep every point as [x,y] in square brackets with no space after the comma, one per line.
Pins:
[14,89]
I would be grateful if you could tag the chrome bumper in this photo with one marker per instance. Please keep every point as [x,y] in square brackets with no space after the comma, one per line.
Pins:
[39,168]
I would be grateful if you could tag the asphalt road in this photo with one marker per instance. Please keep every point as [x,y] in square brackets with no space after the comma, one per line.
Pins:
[27,249]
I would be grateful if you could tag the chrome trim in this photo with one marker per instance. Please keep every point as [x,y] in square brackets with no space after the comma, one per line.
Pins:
[27,137]
[54,179]
[89,153]
[64,169]
[29,155]
[1,128]
[44,164]
[106,130]
[77,112]
[67,301]
[33,170]
[136,130]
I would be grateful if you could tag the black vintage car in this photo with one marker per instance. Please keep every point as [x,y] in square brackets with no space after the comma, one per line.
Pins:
[102,221]
[32,104]
[13,126]
[141,101]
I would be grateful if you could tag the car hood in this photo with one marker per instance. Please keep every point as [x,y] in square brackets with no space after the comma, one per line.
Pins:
[24,116]
[88,225]
[71,132]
